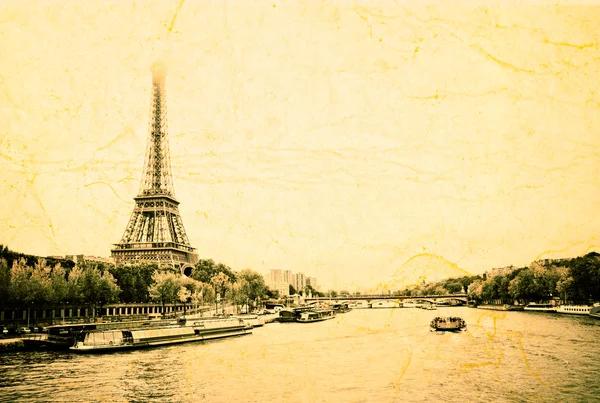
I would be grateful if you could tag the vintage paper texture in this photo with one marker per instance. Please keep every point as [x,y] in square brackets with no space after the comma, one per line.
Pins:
[363,143]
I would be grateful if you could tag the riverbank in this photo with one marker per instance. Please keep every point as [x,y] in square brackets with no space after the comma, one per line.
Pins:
[504,307]
[13,344]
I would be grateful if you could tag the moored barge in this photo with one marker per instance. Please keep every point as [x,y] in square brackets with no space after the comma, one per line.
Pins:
[315,316]
[103,341]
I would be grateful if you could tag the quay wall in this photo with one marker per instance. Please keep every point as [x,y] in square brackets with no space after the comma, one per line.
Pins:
[15,317]
[504,307]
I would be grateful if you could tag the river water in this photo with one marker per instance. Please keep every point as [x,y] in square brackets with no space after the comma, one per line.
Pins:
[370,355]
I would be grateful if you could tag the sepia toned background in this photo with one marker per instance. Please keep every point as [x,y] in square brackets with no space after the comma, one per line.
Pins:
[363,143]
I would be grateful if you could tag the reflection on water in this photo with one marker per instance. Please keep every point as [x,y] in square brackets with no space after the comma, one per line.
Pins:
[374,355]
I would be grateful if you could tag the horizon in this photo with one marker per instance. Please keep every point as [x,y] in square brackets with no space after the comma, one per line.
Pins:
[336,141]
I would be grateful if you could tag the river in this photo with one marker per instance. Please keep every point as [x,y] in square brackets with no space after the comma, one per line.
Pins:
[370,355]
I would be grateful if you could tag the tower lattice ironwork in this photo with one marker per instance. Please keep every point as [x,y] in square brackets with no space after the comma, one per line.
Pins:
[155,231]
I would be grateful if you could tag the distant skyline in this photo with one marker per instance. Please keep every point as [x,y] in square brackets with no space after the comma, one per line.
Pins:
[352,143]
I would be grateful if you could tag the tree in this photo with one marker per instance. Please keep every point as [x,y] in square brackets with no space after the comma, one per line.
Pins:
[4,282]
[21,285]
[220,283]
[165,288]
[204,271]
[308,290]
[59,287]
[272,294]
[134,280]
[75,285]
[207,293]
[40,282]
[292,290]
[452,286]
[252,286]
[108,290]
[97,286]
[475,290]
[189,287]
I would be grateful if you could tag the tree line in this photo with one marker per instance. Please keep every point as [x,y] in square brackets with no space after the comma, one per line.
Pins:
[574,281]
[26,280]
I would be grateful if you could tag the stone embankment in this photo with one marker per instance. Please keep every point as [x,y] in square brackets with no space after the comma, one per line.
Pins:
[504,307]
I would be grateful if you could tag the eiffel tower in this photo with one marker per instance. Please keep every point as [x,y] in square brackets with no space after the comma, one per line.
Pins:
[155,231]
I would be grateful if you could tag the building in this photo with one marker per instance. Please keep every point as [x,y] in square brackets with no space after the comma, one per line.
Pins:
[281,280]
[276,276]
[299,282]
[287,276]
[501,271]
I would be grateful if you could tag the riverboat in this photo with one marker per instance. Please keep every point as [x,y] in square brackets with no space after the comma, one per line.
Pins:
[103,341]
[359,305]
[341,308]
[252,320]
[574,309]
[291,314]
[540,307]
[447,324]
[62,337]
[315,316]
[384,304]
[287,315]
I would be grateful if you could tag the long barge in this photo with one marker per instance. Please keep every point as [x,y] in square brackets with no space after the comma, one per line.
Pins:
[104,341]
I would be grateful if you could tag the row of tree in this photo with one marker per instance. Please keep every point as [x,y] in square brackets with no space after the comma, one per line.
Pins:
[24,285]
[26,280]
[574,280]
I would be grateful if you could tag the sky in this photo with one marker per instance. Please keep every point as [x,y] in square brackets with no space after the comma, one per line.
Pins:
[360,143]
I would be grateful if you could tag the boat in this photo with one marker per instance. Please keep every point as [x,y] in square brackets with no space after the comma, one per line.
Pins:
[447,324]
[595,312]
[341,308]
[288,315]
[430,307]
[315,316]
[62,337]
[574,309]
[384,304]
[291,314]
[359,305]
[409,304]
[103,341]
[251,320]
[540,307]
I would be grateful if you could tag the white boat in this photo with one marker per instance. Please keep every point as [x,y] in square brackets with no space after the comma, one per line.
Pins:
[410,304]
[251,320]
[359,305]
[540,307]
[574,309]
[103,341]
[384,304]
[315,316]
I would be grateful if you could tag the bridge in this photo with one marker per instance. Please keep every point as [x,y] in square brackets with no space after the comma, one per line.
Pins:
[461,298]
